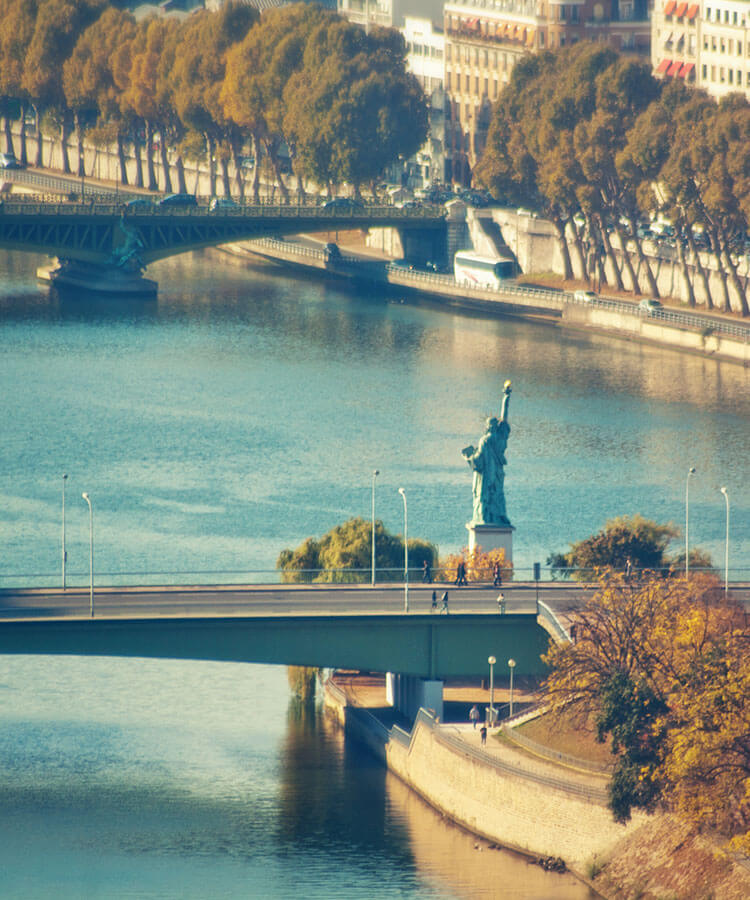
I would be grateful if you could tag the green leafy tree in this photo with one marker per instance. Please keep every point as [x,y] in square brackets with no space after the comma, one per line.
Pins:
[633,538]
[344,555]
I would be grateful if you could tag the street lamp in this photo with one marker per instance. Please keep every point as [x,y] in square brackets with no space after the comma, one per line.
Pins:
[91,553]
[726,545]
[491,660]
[406,555]
[375,473]
[64,552]
[511,665]
[691,471]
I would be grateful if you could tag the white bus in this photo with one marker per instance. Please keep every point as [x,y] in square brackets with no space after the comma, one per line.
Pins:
[473,270]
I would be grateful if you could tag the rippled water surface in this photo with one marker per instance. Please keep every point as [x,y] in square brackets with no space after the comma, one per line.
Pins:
[245,411]
[239,414]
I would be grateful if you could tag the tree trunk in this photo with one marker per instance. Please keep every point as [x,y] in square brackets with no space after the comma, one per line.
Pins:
[138,161]
[164,155]
[700,268]
[22,135]
[735,282]
[234,145]
[716,248]
[121,161]
[643,260]
[225,181]
[626,261]
[273,156]
[684,265]
[180,169]
[79,145]
[610,254]
[256,170]
[578,247]
[38,161]
[150,173]
[559,223]
[9,148]
[210,149]
[64,135]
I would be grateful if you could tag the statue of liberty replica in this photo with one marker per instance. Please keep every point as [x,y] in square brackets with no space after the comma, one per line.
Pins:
[490,526]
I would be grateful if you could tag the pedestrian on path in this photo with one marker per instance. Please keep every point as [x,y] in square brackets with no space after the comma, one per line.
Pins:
[461,574]
[434,601]
[483,732]
[474,715]
[444,608]
[497,575]
[501,602]
[426,573]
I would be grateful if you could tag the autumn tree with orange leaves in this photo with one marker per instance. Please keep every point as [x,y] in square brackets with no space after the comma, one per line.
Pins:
[661,667]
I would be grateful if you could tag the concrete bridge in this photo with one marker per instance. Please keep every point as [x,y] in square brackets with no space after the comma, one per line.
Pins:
[328,627]
[105,246]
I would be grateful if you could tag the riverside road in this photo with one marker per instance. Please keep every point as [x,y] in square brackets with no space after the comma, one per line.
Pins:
[295,600]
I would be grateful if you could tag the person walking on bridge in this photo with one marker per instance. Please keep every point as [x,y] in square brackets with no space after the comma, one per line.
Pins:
[444,608]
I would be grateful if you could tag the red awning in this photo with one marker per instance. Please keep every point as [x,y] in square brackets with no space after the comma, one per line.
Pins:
[693,11]
[686,69]
[664,65]
[669,8]
[681,10]
[674,68]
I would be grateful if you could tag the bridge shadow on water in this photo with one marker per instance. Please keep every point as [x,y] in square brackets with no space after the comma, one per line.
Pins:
[79,306]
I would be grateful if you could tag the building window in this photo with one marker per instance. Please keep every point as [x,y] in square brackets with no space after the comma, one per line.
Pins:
[494,89]
[448,79]
[704,72]
[730,73]
[494,59]
[476,84]
[486,86]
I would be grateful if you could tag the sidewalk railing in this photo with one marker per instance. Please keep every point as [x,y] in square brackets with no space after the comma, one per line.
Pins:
[554,755]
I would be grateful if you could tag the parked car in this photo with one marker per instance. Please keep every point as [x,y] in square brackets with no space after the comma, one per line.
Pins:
[342,204]
[222,203]
[585,296]
[8,161]
[178,200]
[140,203]
[649,306]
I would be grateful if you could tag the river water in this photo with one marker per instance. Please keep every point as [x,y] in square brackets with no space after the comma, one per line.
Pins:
[237,415]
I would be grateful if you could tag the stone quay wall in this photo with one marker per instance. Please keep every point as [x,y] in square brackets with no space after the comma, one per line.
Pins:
[513,808]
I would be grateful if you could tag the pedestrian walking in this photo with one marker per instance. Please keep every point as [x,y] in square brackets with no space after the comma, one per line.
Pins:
[434,601]
[501,602]
[426,573]
[628,568]
[460,574]
[474,715]
[497,575]
[444,608]
[483,732]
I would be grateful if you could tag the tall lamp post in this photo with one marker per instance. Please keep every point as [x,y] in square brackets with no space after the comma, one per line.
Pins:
[91,553]
[64,551]
[491,660]
[726,544]
[511,666]
[375,473]
[406,554]
[691,471]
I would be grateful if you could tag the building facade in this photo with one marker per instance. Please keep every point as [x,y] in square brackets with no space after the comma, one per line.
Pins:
[485,38]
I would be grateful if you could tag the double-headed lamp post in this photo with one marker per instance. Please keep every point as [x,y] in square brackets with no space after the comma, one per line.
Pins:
[375,473]
[511,666]
[691,471]
[406,554]
[491,660]
[64,552]
[726,544]
[91,553]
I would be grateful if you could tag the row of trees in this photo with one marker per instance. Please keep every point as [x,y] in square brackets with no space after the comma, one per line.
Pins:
[341,100]
[344,555]
[599,145]
[662,669]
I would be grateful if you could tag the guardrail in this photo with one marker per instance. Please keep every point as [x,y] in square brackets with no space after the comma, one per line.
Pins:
[546,613]
[595,795]
[554,755]
[559,299]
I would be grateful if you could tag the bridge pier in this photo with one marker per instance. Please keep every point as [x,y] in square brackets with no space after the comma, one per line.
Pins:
[113,280]
[409,693]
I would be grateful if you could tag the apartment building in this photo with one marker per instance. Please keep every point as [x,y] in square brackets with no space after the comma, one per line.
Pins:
[485,38]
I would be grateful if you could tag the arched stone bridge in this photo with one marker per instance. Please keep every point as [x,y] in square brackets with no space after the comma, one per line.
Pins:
[119,240]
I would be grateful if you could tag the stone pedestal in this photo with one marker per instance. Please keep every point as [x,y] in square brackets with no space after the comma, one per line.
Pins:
[491,537]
